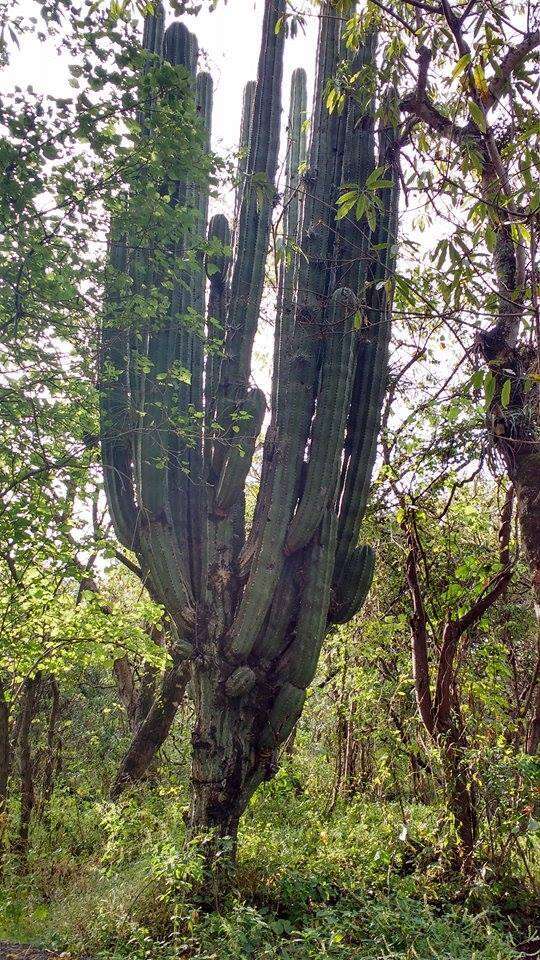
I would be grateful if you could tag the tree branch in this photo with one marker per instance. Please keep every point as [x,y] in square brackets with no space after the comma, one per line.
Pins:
[512,60]
[419,638]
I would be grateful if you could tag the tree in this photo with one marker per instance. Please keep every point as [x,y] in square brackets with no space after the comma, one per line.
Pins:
[471,120]
[251,604]
[508,206]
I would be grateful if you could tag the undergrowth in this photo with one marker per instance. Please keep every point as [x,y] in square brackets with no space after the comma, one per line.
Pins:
[369,882]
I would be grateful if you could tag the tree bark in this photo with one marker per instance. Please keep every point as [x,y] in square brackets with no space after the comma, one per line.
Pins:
[125,683]
[5,752]
[137,699]
[461,801]
[440,711]
[29,706]
[226,768]
[153,731]
[533,732]
[52,752]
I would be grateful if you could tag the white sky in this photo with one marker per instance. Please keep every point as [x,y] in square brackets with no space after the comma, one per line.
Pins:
[229,38]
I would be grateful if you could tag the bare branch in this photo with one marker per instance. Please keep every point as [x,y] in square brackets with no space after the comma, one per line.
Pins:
[512,60]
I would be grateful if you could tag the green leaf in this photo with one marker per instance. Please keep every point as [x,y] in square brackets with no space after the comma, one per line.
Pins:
[345,209]
[505,392]
[349,195]
[374,176]
[489,388]
[491,239]
[477,115]
[460,66]
[480,80]
[360,207]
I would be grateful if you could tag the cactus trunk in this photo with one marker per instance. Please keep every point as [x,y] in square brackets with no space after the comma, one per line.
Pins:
[250,607]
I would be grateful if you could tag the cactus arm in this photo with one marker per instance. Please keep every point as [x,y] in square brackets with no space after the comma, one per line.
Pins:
[116,418]
[353,585]
[353,235]
[238,461]
[284,714]
[226,520]
[157,447]
[300,660]
[153,29]
[197,530]
[296,155]
[298,379]
[115,415]
[283,611]
[248,101]
[329,422]
[371,370]
[254,222]
[217,269]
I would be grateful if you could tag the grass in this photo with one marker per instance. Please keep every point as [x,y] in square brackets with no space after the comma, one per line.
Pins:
[115,881]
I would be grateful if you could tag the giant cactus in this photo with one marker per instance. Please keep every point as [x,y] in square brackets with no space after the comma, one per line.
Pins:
[250,608]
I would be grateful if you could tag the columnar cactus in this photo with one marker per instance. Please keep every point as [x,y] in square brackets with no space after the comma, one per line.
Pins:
[250,608]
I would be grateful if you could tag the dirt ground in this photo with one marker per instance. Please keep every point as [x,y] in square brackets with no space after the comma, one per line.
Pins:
[20,951]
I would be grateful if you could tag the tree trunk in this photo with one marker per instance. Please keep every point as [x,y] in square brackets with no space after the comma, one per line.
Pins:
[153,731]
[29,705]
[461,803]
[137,699]
[533,731]
[5,753]
[126,689]
[52,752]
[5,764]
[226,769]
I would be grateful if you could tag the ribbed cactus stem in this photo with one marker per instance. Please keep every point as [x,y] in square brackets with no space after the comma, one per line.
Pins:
[254,220]
[292,200]
[296,152]
[327,432]
[353,235]
[353,584]
[248,102]
[300,377]
[197,484]
[217,269]
[372,365]
[115,417]
[300,661]
[154,429]
[158,455]
[238,462]
[283,611]
[284,714]
[153,29]
[180,47]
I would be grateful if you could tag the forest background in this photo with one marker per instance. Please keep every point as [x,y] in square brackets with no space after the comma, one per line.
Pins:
[369,841]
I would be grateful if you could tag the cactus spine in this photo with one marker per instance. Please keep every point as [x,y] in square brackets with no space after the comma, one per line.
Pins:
[177,449]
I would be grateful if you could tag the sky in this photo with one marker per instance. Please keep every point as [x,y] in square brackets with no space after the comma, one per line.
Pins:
[229,38]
